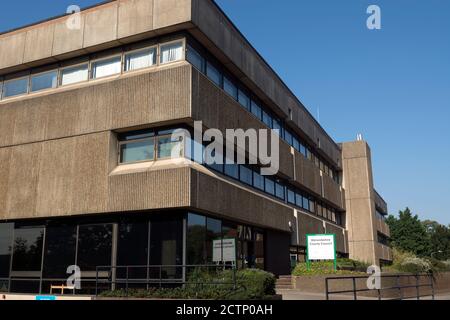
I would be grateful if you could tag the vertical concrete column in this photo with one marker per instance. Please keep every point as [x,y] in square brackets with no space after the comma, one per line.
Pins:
[360,201]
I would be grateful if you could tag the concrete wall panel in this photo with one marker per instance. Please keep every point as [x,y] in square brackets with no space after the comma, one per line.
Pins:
[12,48]
[101,25]
[39,42]
[135,16]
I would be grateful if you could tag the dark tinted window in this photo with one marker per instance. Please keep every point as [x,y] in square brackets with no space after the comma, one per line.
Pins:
[196,236]
[59,250]
[213,232]
[28,249]
[245,175]
[94,246]
[132,248]
[6,234]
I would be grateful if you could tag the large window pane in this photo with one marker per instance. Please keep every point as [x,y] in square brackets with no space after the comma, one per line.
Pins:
[94,246]
[256,110]
[267,119]
[195,59]
[232,170]
[244,100]
[291,196]
[60,247]
[137,151]
[270,186]
[107,67]
[44,81]
[74,74]
[166,247]
[171,52]
[132,249]
[230,88]
[196,237]
[245,175]
[140,59]
[213,74]
[15,87]
[168,147]
[279,191]
[258,181]
[28,249]
[6,238]
[213,232]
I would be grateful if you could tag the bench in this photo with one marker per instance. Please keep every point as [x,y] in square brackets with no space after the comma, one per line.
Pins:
[61,287]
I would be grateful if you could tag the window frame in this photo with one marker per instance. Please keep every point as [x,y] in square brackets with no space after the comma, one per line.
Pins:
[124,142]
[125,53]
[73,66]
[57,70]
[111,57]
[16,79]
[183,51]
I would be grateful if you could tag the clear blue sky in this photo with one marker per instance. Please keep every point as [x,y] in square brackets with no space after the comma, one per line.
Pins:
[392,85]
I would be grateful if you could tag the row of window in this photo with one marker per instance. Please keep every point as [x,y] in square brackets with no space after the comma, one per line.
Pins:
[95,69]
[150,145]
[257,109]
[379,215]
[382,239]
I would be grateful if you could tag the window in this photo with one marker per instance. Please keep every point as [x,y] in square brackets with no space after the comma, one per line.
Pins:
[74,74]
[291,196]
[196,237]
[140,59]
[143,150]
[243,99]
[171,52]
[60,246]
[246,175]
[230,88]
[43,81]
[213,74]
[213,232]
[232,170]
[28,243]
[305,203]
[106,67]
[256,110]
[279,191]
[312,205]
[288,137]
[6,240]
[167,147]
[15,87]
[267,119]
[94,246]
[270,186]
[195,59]
[299,200]
[303,150]
[296,144]
[276,126]
[258,181]
[166,248]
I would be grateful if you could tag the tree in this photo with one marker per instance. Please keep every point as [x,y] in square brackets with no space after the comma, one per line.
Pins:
[439,237]
[408,233]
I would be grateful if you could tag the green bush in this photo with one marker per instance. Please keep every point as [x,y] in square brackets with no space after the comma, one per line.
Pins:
[212,284]
[352,265]
[323,268]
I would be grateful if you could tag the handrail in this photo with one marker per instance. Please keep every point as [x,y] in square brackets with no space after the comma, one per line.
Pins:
[379,291]
[113,279]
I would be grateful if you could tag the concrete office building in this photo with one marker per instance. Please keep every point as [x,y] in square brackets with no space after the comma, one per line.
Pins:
[86,176]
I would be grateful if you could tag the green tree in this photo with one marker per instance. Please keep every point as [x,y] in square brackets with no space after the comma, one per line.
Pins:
[439,237]
[408,233]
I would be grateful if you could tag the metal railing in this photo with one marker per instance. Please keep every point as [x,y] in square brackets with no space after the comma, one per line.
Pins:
[398,286]
[159,276]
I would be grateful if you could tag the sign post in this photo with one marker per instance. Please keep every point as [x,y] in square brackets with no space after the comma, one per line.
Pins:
[320,247]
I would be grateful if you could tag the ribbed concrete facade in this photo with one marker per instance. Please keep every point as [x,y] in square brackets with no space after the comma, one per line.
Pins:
[60,148]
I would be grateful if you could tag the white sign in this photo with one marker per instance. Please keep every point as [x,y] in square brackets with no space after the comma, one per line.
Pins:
[224,250]
[321,247]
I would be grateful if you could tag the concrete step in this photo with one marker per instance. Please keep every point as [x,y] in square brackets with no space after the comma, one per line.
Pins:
[284,282]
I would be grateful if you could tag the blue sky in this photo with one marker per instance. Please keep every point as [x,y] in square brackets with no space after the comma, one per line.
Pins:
[392,85]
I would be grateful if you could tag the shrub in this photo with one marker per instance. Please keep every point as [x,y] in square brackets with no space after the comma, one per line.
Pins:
[322,268]
[211,284]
